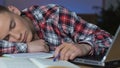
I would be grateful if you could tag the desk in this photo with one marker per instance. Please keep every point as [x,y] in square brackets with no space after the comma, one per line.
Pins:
[110,66]
[87,66]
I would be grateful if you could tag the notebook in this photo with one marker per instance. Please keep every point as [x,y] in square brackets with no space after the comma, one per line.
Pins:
[30,55]
[112,54]
[34,63]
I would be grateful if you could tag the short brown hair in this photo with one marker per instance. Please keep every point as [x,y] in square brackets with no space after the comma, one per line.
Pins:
[3,9]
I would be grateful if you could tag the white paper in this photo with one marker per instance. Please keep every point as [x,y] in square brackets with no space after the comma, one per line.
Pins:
[16,63]
[34,63]
[30,55]
[49,63]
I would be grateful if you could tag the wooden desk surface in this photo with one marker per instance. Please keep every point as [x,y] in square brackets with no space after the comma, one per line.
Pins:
[88,66]
[85,66]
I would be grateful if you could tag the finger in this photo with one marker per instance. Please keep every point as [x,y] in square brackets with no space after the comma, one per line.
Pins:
[67,55]
[73,55]
[58,49]
[63,52]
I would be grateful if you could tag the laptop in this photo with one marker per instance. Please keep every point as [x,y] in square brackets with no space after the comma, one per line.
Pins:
[110,57]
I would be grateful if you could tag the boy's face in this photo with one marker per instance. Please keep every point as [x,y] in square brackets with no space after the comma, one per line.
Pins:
[14,28]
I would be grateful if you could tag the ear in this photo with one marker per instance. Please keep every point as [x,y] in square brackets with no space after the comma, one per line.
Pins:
[14,9]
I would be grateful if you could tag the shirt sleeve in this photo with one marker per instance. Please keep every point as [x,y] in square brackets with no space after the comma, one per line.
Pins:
[10,47]
[82,31]
[69,24]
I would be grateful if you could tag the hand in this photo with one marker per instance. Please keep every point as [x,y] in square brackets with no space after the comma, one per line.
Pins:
[38,46]
[68,51]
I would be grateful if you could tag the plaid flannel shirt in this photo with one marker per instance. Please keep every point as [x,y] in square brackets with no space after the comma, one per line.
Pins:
[55,24]
[10,47]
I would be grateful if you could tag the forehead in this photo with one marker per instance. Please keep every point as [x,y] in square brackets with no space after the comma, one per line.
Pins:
[4,24]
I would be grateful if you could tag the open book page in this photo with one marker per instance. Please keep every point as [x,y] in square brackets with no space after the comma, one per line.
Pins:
[34,63]
[30,55]
[16,63]
[49,63]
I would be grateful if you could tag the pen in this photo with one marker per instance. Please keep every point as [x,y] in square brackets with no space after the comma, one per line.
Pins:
[57,57]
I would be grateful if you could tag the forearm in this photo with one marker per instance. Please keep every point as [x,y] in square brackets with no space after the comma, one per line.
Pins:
[10,47]
[102,41]
[97,38]
[84,48]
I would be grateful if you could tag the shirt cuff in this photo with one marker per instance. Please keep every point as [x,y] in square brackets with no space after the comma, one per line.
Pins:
[21,47]
[86,42]
[91,52]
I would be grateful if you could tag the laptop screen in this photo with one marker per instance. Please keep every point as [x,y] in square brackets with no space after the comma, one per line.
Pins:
[113,53]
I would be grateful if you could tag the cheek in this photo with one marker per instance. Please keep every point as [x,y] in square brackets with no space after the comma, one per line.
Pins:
[29,37]
[20,25]
[23,26]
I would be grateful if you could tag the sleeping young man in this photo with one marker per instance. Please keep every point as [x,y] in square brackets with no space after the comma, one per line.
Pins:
[50,27]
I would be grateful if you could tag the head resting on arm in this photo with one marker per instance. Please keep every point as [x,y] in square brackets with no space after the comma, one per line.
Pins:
[13,27]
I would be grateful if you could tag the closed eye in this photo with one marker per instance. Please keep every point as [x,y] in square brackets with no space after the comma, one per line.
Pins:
[12,25]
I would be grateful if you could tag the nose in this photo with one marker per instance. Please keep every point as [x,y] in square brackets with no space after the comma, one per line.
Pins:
[14,36]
